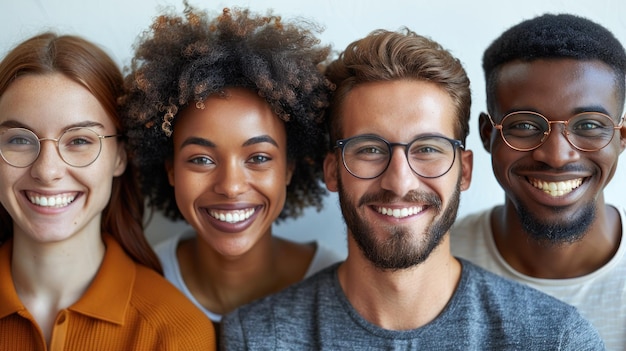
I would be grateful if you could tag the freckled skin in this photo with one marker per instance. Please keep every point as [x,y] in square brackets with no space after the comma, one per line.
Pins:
[48,105]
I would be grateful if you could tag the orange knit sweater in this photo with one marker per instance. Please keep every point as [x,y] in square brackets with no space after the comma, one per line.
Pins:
[127,307]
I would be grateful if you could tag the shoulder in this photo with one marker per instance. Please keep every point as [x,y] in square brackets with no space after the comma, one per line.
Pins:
[516,301]
[292,306]
[162,306]
[166,249]
[486,283]
[166,252]
[323,258]
[471,238]
[522,312]
[299,294]
[472,224]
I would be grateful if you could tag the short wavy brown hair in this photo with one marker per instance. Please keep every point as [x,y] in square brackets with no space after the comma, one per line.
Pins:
[398,55]
[183,59]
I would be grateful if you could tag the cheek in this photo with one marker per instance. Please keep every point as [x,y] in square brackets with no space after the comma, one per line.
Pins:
[502,157]
[274,185]
[9,176]
[187,187]
[355,188]
[607,160]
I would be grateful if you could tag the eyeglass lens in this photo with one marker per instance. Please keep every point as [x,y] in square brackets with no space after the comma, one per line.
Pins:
[78,147]
[585,131]
[368,157]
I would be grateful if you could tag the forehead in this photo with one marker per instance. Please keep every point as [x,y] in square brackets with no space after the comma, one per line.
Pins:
[239,112]
[557,88]
[50,102]
[398,110]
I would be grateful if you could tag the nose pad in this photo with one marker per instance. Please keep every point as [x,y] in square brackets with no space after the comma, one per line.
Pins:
[555,151]
[564,132]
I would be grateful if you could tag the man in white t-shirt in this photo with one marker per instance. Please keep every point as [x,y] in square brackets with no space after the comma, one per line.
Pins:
[555,130]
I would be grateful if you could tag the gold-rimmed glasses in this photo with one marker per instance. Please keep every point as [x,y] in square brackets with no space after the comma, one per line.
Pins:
[527,130]
[78,147]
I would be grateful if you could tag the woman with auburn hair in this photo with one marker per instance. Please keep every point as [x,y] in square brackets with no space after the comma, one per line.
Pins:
[226,121]
[75,268]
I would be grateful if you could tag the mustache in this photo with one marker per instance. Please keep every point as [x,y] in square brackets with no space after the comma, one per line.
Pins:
[540,167]
[385,196]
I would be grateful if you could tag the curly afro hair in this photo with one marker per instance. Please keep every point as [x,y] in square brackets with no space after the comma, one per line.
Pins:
[182,59]
[554,36]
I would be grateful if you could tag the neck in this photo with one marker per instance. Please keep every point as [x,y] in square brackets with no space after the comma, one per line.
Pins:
[49,277]
[567,260]
[56,268]
[404,299]
[223,283]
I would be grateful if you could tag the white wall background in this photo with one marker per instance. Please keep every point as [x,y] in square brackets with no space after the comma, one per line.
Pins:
[464,27]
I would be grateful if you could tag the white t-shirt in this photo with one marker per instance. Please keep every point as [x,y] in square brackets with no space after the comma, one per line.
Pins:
[600,296]
[166,251]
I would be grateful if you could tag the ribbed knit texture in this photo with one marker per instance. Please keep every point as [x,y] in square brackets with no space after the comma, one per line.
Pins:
[150,315]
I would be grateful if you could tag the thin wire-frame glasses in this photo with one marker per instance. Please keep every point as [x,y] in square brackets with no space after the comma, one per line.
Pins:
[368,156]
[78,147]
[528,130]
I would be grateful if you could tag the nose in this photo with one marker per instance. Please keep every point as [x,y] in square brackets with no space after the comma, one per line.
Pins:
[231,179]
[399,178]
[48,166]
[556,151]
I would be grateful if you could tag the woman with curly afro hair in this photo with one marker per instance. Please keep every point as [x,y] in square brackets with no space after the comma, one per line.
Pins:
[226,120]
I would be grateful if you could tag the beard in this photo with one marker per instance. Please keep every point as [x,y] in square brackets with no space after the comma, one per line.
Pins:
[556,233]
[403,248]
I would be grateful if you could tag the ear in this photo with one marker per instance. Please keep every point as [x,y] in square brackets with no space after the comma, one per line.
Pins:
[291,166]
[120,161]
[330,171]
[169,168]
[485,128]
[467,164]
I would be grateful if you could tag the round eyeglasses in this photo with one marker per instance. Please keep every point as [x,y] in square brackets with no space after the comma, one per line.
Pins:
[78,147]
[527,130]
[368,156]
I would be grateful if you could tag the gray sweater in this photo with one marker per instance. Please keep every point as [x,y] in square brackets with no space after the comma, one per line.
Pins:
[486,312]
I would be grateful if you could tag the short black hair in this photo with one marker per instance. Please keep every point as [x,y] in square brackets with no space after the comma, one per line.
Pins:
[554,36]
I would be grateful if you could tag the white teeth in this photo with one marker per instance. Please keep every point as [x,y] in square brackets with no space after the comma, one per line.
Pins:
[51,201]
[232,216]
[556,188]
[399,212]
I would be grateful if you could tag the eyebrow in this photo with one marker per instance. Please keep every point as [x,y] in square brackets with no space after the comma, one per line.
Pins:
[207,143]
[260,139]
[577,110]
[84,124]
[197,141]
[595,108]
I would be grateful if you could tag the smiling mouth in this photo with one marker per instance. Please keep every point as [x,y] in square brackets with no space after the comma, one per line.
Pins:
[232,216]
[56,201]
[556,188]
[399,212]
